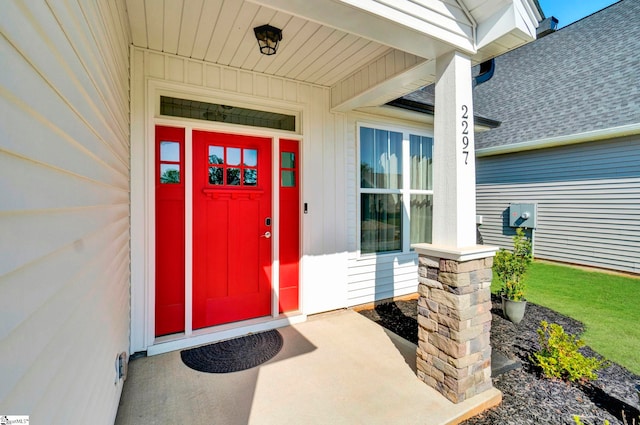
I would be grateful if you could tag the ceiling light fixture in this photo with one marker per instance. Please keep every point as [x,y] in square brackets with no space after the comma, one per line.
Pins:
[268,38]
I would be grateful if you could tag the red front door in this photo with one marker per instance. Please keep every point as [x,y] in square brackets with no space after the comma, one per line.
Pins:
[232,228]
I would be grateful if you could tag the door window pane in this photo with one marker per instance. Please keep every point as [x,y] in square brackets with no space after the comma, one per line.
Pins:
[170,151]
[288,178]
[233,156]
[250,177]
[250,157]
[215,175]
[233,176]
[421,157]
[380,222]
[169,173]
[420,218]
[288,160]
[216,155]
[380,159]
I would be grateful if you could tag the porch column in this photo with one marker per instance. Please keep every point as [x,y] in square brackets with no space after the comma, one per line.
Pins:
[454,166]
[454,274]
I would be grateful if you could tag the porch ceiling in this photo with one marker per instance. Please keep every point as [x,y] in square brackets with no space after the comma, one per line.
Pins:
[367,51]
[221,32]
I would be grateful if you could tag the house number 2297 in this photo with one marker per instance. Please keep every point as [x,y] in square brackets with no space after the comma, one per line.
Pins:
[465,133]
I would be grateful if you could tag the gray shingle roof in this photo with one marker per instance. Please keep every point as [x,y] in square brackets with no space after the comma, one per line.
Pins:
[584,77]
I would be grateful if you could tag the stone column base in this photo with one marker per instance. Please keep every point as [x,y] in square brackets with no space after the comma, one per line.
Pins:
[454,319]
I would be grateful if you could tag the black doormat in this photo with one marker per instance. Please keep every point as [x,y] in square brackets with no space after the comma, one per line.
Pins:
[235,354]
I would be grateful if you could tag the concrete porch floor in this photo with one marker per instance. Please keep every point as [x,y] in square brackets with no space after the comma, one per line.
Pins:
[335,368]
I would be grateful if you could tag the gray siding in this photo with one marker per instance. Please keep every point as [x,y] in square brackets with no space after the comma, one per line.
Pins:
[588,198]
[64,209]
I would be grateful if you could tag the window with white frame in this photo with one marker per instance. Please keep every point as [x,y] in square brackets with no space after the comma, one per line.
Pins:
[396,189]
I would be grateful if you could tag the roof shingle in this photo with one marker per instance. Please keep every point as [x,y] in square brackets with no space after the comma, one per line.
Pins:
[583,77]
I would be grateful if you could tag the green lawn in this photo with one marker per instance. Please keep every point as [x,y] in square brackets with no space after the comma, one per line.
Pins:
[608,305]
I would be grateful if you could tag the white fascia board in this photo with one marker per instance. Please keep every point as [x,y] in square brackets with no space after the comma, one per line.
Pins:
[515,18]
[377,22]
[419,118]
[571,139]
[387,111]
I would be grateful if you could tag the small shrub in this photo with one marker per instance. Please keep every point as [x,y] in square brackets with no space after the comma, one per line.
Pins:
[577,420]
[559,356]
[510,267]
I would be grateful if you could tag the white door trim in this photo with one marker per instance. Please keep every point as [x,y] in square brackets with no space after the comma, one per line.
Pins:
[153,118]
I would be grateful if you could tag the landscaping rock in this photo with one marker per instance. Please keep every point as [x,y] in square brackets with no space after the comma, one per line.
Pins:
[529,398]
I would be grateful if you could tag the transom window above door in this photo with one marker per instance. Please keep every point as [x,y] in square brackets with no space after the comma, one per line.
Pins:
[229,166]
[396,189]
[186,108]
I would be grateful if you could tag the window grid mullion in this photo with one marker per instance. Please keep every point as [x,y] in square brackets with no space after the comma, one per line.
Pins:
[406,198]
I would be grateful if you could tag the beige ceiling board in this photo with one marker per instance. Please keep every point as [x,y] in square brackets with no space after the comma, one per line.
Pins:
[340,63]
[241,34]
[205,24]
[173,9]
[326,39]
[137,22]
[223,29]
[358,59]
[188,31]
[155,25]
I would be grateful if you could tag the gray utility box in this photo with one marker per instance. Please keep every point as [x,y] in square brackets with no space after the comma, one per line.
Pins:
[523,215]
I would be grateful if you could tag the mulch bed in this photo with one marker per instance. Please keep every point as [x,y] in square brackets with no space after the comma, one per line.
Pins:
[529,398]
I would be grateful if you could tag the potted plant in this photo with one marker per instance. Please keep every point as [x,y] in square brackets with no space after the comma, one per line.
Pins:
[510,267]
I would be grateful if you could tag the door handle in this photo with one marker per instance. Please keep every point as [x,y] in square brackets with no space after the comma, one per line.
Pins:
[266,235]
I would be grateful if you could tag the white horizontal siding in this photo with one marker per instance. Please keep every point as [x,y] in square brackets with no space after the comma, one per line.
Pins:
[588,198]
[444,14]
[377,277]
[64,213]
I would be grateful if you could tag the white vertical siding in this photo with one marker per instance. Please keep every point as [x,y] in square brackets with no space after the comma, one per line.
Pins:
[64,208]
[324,227]
[392,64]
[588,198]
